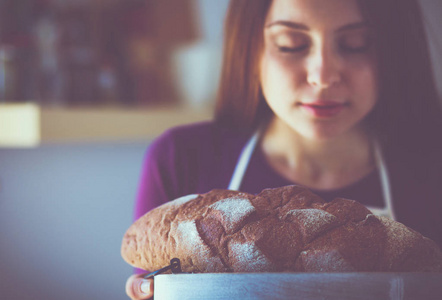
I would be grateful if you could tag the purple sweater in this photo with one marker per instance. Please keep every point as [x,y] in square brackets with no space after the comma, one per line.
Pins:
[200,157]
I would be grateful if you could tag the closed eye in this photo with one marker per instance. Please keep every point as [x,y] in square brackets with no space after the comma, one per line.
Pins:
[292,49]
[359,49]
[356,43]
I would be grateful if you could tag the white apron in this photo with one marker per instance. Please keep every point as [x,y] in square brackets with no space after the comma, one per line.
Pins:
[247,151]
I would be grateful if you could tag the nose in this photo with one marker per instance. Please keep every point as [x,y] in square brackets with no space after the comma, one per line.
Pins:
[324,69]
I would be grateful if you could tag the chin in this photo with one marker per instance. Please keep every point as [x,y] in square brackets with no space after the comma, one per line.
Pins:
[321,131]
[322,134]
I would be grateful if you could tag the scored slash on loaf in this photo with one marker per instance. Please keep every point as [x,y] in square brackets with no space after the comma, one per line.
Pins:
[286,229]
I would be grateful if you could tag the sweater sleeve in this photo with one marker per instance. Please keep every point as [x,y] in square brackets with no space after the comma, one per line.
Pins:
[161,178]
[158,181]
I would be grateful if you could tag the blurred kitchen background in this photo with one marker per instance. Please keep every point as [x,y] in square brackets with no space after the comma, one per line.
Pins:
[85,85]
[104,52]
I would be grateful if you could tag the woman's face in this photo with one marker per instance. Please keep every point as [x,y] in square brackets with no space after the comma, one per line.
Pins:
[318,66]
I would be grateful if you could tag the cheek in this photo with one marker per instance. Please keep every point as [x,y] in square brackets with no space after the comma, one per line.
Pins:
[279,76]
[364,80]
[369,87]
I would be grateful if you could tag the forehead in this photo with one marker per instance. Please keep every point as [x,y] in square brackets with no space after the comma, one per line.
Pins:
[315,13]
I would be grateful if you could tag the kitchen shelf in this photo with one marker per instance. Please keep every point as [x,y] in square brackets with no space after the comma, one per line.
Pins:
[27,125]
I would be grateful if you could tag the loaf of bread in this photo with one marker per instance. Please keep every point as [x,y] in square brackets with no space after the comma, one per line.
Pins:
[286,229]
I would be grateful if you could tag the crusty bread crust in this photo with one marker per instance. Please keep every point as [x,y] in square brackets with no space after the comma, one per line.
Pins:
[278,230]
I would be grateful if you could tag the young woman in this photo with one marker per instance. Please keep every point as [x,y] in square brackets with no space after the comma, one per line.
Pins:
[337,96]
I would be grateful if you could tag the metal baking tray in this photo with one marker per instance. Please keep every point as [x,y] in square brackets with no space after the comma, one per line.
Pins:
[306,286]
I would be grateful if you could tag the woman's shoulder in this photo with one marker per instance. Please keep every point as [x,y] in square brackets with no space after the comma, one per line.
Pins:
[192,131]
[187,155]
[207,138]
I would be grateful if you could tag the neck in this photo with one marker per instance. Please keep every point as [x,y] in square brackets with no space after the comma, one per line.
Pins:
[318,163]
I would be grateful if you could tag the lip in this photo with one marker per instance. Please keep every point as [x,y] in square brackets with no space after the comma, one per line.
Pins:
[323,108]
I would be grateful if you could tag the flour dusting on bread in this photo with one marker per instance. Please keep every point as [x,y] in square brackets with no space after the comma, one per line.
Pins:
[233,211]
[247,257]
[325,261]
[287,229]
[312,222]
[189,240]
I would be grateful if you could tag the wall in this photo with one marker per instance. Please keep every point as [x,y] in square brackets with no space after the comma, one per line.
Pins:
[63,212]
[65,207]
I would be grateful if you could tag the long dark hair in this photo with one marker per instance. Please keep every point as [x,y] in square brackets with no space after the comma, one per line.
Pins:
[240,103]
[408,114]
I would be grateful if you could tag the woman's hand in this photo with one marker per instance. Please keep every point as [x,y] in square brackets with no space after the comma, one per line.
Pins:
[138,288]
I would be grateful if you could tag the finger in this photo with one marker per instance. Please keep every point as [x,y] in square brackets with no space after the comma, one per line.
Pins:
[138,288]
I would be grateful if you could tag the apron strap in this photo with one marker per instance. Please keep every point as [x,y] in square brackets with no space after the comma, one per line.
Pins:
[243,162]
[385,185]
[247,151]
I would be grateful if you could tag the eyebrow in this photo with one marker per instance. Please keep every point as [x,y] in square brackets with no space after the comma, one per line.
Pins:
[356,25]
[289,24]
[300,26]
